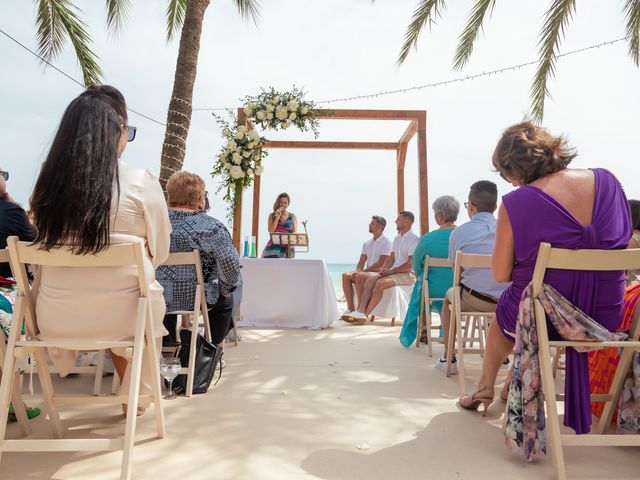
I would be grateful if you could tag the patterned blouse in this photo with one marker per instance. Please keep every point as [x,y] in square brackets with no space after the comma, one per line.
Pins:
[220,262]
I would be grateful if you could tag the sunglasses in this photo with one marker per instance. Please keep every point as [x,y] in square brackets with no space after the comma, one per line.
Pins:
[207,207]
[466,204]
[503,176]
[131,132]
[4,175]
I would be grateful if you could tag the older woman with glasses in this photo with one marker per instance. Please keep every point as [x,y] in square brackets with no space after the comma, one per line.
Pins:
[87,198]
[193,229]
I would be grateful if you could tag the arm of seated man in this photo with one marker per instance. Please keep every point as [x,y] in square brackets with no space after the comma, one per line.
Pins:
[404,268]
[361,263]
[378,265]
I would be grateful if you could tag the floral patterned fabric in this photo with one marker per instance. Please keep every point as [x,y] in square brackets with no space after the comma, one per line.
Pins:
[8,295]
[525,426]
[629,401]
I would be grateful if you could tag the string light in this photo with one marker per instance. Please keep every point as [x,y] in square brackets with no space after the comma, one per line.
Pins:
[70,77]
[446,82]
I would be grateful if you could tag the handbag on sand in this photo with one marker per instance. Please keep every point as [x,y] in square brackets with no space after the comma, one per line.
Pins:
[208,357]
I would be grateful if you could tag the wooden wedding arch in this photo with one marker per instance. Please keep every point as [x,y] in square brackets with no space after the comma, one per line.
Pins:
[417,125]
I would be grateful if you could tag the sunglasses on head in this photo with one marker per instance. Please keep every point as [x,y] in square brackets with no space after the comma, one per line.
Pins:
[4,175]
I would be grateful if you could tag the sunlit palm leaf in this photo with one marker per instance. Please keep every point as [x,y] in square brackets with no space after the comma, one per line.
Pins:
[175,17]
[632,17]
[117,11]
[249,9]
[57,21]
[552,34]
[471,30]
[427,12]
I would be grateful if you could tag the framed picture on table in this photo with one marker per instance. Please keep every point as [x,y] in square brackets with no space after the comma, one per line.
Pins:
[291,240]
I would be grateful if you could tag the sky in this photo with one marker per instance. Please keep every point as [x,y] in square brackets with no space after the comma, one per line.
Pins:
[335,49]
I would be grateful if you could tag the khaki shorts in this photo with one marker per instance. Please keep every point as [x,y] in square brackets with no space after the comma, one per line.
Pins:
[408,278]
[469,303]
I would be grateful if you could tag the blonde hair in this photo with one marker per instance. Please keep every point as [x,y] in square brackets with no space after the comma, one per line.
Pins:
[276,205]
[184,190]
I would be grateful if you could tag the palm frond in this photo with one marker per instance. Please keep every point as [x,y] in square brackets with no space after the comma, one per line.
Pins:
[117,11]
[632,17]
[556,19]
[176,10]
[57,22]
[426,13]
[249,9]
[470,32]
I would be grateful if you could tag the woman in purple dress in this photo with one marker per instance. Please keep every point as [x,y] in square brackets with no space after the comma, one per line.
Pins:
[574,209]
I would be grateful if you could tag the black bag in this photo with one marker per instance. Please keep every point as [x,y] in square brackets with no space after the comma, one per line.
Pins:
[208,357]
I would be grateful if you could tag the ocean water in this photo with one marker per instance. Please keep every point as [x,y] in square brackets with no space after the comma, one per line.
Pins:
[335,271]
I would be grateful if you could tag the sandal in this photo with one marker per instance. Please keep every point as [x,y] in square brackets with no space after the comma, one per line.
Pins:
[504,393]
[477,398]
[32,412]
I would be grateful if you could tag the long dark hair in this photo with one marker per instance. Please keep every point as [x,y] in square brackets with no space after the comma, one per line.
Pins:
[72,199]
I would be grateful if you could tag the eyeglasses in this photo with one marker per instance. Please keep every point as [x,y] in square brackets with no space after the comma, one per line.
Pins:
[466,204]
[504,177]
[5,175]
[131,132]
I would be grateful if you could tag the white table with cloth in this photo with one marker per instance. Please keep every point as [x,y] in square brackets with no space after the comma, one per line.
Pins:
[282,292]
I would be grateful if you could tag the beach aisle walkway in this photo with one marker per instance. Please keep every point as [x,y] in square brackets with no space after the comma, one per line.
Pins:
[346,403]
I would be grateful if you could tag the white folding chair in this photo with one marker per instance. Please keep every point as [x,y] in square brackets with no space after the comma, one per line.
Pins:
[470,327]
[16,395]
[598,260]
[199,310]
[425,319]
[142,343]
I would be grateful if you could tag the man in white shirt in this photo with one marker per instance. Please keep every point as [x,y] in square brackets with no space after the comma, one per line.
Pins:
[395,271]
[375,252]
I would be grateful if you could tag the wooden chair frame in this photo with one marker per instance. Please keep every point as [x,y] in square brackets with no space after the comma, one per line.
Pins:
[16,395]
[477,322]
[599,260]
[199,309]
[143,343]
[424,318]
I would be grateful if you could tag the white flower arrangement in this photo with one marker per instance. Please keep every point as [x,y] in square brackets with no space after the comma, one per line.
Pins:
[241,155]
[280,110]
[239,159]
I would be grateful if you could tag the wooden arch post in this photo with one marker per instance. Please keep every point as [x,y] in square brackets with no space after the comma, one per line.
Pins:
[417,126]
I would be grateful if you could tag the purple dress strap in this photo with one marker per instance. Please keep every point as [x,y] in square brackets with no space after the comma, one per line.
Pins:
[598,294]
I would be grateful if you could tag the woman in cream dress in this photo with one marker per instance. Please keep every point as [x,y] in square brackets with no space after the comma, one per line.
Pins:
[86,198]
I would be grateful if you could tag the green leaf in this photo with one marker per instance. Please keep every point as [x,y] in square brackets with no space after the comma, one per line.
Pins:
[427,12]
[249,9]
[117,11]
[632,18]
[176,10]
[556,20]
[57,22]
[470,32]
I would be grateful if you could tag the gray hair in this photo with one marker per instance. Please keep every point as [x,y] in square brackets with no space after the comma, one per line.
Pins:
[448,206]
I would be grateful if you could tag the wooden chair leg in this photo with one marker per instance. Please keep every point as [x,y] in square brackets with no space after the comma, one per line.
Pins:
[427,318]
[460,357]
[19,407]
[97,382]
[452,333]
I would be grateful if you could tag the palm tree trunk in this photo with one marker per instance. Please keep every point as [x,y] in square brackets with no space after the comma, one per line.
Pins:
[179,114]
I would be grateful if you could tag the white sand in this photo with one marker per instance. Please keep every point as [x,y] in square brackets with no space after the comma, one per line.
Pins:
[346,403]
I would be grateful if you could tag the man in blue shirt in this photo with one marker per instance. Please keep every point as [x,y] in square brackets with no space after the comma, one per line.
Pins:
[480,291]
